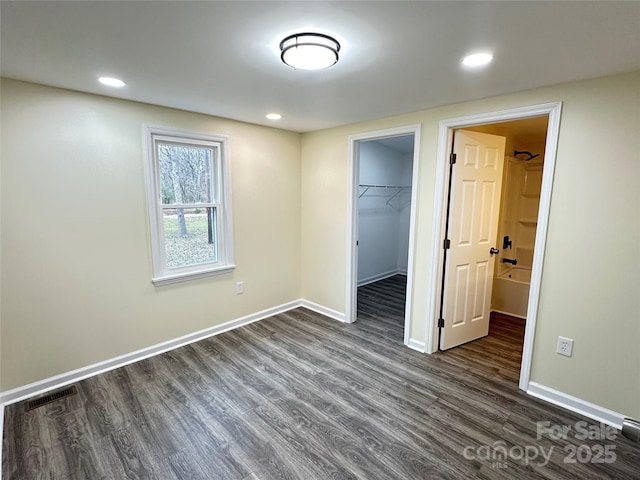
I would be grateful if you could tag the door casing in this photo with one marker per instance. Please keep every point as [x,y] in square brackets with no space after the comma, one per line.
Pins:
[445,132]
[352,217]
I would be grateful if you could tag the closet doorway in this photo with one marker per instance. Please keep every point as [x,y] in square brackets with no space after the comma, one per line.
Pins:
[382,211]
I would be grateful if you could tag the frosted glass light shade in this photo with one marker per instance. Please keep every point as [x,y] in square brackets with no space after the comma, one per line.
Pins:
[309,51]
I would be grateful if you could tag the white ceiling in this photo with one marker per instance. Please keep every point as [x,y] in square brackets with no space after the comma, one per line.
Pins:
[221,58]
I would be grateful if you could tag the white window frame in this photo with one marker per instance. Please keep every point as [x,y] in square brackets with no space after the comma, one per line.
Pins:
[162,275]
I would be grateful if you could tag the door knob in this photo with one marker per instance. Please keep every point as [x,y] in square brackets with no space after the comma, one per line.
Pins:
[494,251]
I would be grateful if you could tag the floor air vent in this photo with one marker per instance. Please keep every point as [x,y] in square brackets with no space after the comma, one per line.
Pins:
[50,397]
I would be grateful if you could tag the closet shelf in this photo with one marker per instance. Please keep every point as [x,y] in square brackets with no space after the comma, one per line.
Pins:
[397,188]
[391,191]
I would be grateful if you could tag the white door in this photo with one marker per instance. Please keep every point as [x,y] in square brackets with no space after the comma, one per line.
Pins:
[476,182]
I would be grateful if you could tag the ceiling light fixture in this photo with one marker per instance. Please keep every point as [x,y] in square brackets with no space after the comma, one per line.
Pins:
[477,59]
[309,51]
[111,82]
[274,116]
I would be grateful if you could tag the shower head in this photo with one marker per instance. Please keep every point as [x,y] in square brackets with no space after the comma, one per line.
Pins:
[523,152]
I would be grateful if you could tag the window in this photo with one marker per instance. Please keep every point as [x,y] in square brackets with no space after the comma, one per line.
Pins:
[188,189]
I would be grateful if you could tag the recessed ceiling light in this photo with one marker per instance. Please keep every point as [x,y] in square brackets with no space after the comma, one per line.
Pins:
[274,116]
[111,82]
[309,51]
[477,59]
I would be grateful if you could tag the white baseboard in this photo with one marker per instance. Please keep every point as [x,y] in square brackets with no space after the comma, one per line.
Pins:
[33,389]
[327,312]
[510,314]
[380,276]
[575,404]
[416,345]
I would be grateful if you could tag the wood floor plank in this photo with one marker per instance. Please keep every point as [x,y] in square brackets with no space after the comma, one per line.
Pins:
[184,466]
[301,396]
[305,450]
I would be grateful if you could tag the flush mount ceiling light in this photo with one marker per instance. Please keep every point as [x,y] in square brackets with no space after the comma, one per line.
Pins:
[309,51]
[274,116]
[111,82]
[477,59]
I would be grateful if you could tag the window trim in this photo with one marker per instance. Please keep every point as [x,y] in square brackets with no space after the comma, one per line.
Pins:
[161,274]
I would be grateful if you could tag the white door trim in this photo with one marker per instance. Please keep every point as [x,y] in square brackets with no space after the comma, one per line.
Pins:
[553,110]
[352,217]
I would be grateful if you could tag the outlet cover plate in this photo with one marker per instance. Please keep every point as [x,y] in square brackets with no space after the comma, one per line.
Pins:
[565,346]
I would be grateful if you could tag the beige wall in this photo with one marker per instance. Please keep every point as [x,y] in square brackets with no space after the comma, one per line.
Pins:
[76,275]
[76,263]
[591,276]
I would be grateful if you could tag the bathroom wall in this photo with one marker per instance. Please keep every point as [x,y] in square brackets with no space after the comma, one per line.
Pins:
[521,185]
[529,186]
[519,210]
[508,211]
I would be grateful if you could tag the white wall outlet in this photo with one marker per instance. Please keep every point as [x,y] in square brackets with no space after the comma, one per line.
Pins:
[239,287]
[565,345]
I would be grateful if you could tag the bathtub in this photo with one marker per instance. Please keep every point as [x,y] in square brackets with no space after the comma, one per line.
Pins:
[511,292]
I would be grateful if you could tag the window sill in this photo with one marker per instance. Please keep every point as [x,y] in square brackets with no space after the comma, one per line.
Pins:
[185,277]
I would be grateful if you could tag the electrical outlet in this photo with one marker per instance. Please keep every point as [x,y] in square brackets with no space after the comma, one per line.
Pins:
[239,287]
[565,345]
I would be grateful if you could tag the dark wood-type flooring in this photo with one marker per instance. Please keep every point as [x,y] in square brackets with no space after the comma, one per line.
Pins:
[301,396]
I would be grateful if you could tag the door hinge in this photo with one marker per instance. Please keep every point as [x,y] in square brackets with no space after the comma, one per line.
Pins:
[440,322]
[447,244]
[452,159]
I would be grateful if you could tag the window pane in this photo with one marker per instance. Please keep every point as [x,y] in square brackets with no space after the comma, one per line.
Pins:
[190,236]
[185,173]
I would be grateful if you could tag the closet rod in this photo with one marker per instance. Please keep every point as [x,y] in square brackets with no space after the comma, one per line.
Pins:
[399,188]
[364,185]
